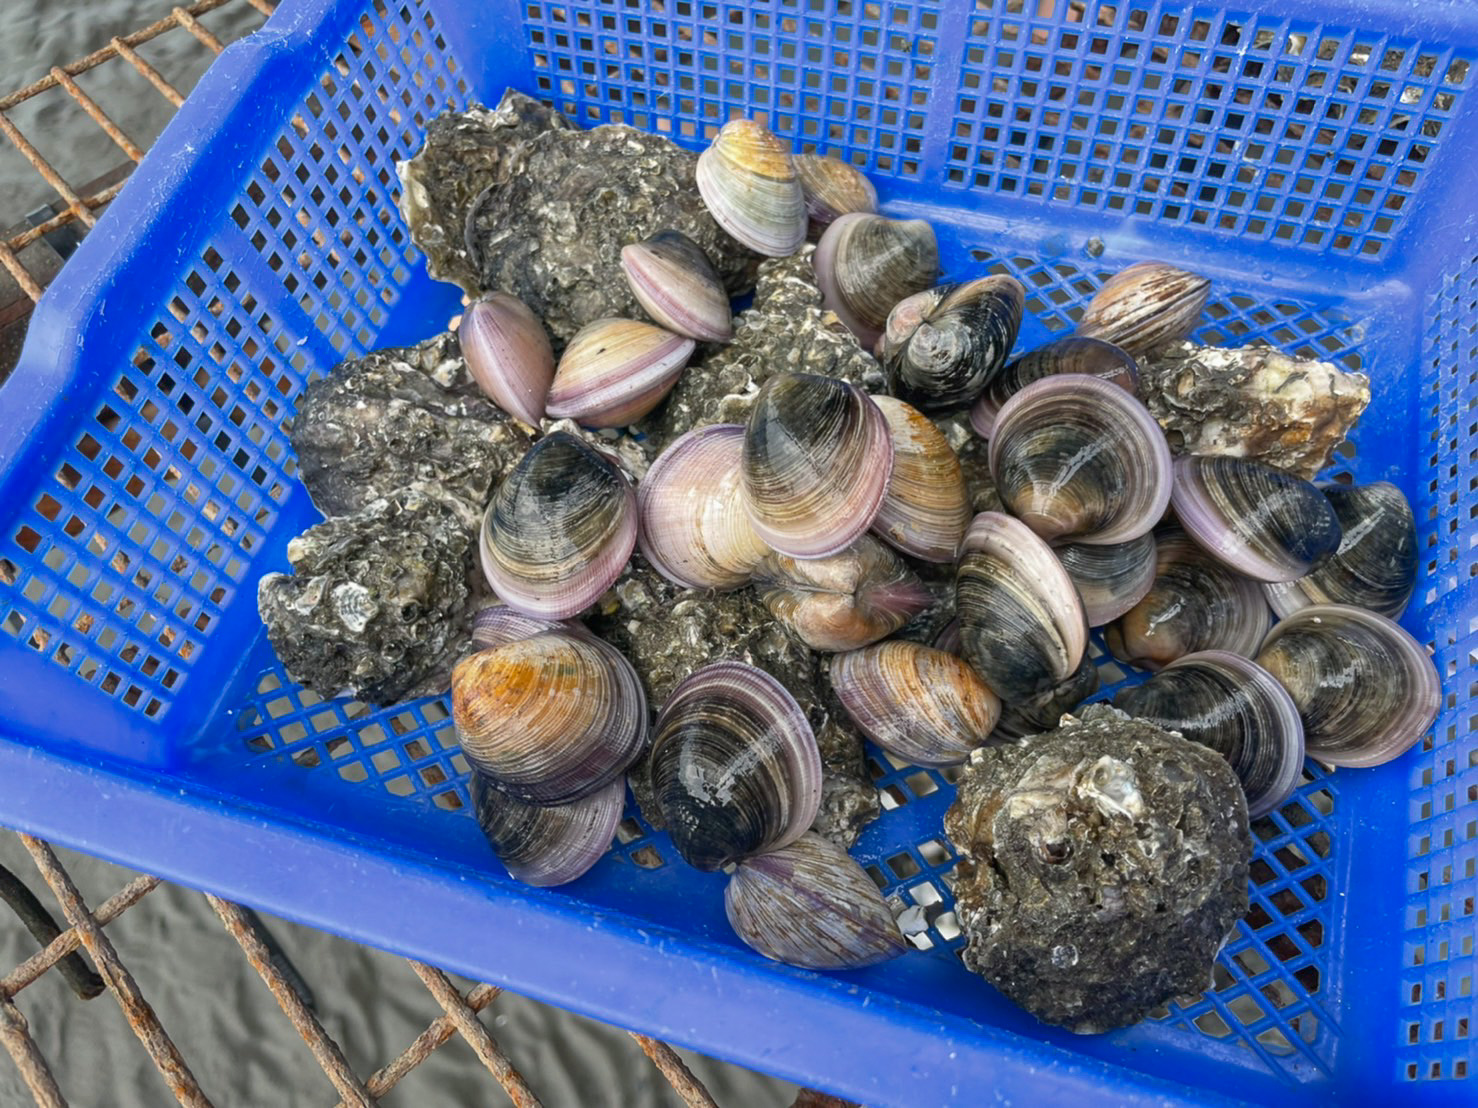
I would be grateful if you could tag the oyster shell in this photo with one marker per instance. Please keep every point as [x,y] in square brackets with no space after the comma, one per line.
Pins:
[1102,866]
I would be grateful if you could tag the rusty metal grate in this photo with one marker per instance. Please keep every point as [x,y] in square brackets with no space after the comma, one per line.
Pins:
[63,950]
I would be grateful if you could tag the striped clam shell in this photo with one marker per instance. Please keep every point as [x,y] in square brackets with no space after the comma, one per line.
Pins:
[867,263]
[941,347]
[559,530]
[832,188]
[1375,565]
[926,507]
[674,281]
[1146,306]
[550,718]
[1235,707]
[1194,604]
[844,601]
[1073,354]
[615,371]
[1111,579]
[810,904]
[1257,519]
[923,705]
[1022,625]
[547,846]
[1078,459]
[1365,689]
[1035,715]
[817,458]
[508,354]
[734,766]
[748,180]
[694,529]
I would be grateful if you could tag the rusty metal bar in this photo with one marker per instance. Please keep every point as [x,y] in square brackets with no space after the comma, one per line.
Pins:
[97,115]
[31,912]
[102,54]
[326,1052]
[266,7]
[476,1034]
[693,1092]
[96,200]
[16,1034]
[69,940]
[140,1016]
[43,167]
[147,71]
[441,1029]
[189,23]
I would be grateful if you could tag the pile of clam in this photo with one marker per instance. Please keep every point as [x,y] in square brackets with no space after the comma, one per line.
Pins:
[834,504]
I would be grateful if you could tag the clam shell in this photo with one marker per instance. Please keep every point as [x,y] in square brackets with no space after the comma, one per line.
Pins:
[734,766]
[1110,579]
[748,180]
[1365,689]
[817,457]
[844,601]
[544,846]
[1022,625]
[1146,306]
[926,507]
[923,705]
[832,188]
[811,905]
[1235,707]
[1194,604]
[1038,714]
[694,529]
[551,718]
[867,263]
[1375,565]
[675,282]
[559,530]
[941,347]
[1073,354]
[615,371]
[498,624]
[1078,459]
[508,354]
[1261,521]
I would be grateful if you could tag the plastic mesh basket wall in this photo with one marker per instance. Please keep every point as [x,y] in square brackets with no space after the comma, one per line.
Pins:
[1315,162]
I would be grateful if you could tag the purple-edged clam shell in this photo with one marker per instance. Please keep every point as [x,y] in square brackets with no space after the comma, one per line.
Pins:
[867,263]
[748,181]
[1043,711]
[551,718]
[694,528]
[1078,459]
[559,530]
[1375,565]
[1259,520]
[817,458]
[1073,354]
[843,601]
[926,507]
[615,371]
[1235,707]
[832,189]
[1194,604]
[922,705]
[498,624]
[676,283]
[1146,306]
[734,765]
[1366,690]
[508,354]
[940,347]
[547,846]
[1022,625]
[810,904]
[1111,579]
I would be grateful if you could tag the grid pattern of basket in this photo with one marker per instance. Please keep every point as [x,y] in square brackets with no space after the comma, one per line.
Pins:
[1311,161]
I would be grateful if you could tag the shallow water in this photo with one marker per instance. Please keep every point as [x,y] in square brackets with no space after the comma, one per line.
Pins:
[241,1048]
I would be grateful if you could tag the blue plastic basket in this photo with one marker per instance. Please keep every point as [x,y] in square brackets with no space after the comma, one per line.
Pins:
[1310,159]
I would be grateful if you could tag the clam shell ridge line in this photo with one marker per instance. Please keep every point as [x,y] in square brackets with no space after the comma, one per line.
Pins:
[748,181]
[926,506]
[508,354]
[816,463]
[1022,625]
[547,846]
